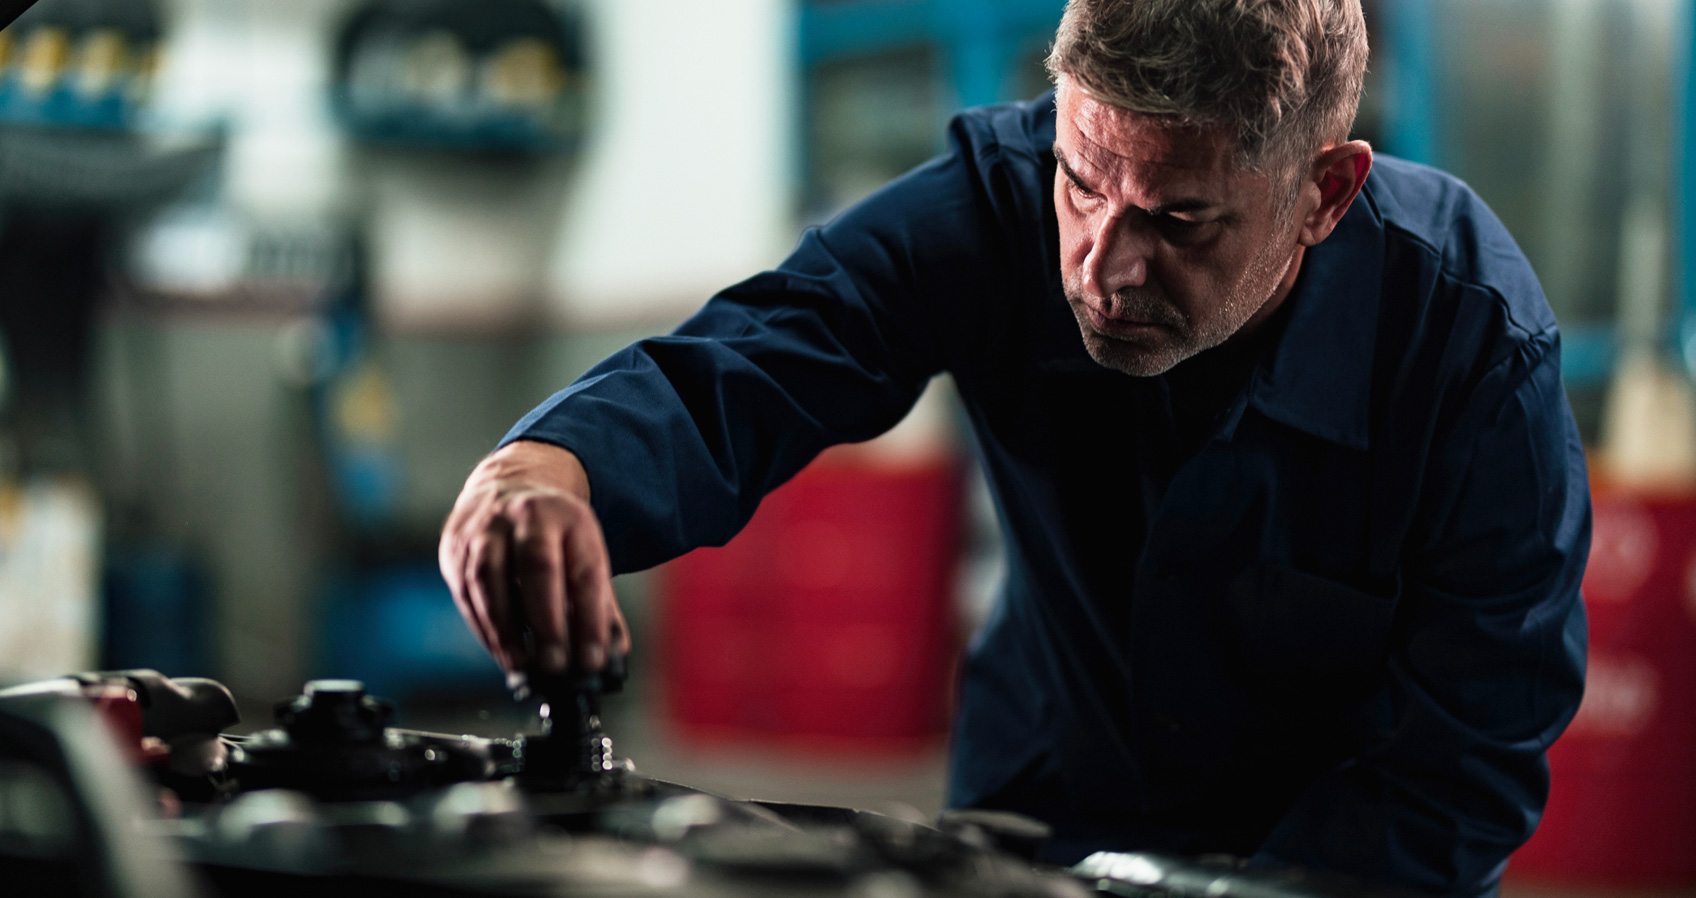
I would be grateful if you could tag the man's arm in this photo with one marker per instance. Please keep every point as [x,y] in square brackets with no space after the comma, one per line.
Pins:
[674,441]
[1487,662]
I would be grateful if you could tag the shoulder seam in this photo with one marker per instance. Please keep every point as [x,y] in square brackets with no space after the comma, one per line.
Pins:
[1444,272]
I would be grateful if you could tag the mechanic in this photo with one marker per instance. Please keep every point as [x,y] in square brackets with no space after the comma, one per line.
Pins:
[1295,529]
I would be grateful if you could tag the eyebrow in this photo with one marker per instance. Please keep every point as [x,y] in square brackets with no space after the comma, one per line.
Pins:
[1186,204]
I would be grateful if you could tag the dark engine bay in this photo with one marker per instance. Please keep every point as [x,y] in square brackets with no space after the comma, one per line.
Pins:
[334,801]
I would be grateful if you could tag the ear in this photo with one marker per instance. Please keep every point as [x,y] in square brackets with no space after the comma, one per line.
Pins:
[1339,173]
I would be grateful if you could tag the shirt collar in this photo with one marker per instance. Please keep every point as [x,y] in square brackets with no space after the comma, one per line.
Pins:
[1319,376]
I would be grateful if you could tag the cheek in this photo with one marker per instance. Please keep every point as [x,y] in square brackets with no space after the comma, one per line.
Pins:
[1187,279]
[1073,250]
[1076,238]
[1073,228]
[1211,265]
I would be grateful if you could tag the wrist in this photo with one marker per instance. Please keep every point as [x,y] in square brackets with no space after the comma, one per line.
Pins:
[539,462]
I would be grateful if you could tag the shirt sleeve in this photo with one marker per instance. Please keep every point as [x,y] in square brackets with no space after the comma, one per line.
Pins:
[1487,664]
[682,435]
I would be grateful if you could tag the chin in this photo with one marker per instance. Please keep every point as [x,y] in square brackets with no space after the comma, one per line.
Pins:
[1131,358]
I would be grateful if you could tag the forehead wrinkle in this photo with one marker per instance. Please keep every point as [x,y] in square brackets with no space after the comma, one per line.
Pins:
[1176,144]
[1162,162]
[1156,150]
[1130,177]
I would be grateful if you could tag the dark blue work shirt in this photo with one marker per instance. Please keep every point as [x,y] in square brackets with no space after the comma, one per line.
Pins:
[1338,626]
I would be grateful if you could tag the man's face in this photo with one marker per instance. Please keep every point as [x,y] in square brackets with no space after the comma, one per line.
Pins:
[1166,247]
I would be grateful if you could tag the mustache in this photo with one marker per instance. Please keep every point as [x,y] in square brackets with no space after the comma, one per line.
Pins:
[1137,305]
[1134,304]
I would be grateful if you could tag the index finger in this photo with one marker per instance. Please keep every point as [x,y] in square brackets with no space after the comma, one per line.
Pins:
[540,582]
[593,605]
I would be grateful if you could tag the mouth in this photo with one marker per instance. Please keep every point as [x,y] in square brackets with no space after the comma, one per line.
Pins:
[1120,328]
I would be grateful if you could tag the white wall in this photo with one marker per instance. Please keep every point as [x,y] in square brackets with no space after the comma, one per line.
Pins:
[687,184]
[261,68]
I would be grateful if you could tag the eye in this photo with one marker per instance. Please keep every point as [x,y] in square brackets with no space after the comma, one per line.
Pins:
[1183,231]
[1176,223]
[1082,191]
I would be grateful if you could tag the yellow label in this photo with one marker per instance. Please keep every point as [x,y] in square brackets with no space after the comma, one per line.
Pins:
[526,72]
[365,407]
[43,59]
[102,59]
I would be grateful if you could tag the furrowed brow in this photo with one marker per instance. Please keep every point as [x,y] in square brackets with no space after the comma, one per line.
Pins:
[1067,168]
[1180,206]
[1174,207]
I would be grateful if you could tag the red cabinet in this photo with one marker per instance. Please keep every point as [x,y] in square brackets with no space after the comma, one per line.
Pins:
[828,624]
[1622,807]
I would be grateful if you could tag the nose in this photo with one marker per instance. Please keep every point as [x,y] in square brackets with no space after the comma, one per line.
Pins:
[1118,257]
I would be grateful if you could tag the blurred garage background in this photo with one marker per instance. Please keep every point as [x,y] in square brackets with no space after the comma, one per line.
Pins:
[274,276]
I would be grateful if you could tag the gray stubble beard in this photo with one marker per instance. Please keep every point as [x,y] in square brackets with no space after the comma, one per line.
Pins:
[1127,358]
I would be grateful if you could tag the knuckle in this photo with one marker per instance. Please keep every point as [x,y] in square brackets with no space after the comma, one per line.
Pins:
[486,545]
[518,507]
[571,509]
[530,547]
[591,524]
[591,570]
[529,505]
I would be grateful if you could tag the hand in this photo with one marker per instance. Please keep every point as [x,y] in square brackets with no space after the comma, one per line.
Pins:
[522,546]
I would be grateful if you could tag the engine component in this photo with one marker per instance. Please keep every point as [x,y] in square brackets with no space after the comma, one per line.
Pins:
[335,801]
[573,751]
[334,743]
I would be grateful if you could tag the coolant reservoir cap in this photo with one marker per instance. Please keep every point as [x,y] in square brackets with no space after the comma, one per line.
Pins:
[335,711]
[335,687]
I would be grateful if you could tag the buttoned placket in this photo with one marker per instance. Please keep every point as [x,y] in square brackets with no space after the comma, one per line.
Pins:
[1176,538]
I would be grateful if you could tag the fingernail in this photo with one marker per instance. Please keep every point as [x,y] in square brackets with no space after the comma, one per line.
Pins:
[594,657]
[553,658]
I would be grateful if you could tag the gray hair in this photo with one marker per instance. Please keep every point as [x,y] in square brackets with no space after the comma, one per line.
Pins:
[1282,76]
